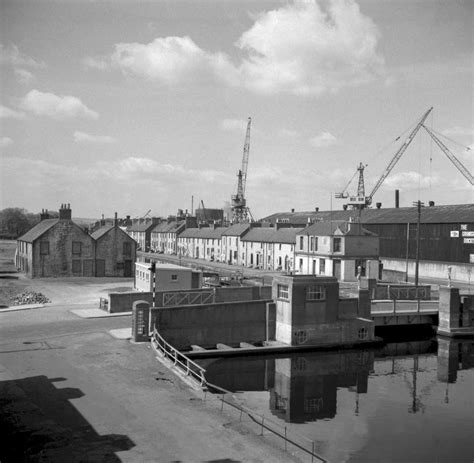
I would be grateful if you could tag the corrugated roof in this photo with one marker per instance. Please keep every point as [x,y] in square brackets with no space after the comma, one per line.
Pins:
[204,233]
[237,229]
[39,229]
[430,214]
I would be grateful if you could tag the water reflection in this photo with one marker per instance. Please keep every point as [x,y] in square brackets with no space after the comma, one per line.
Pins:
[304,388]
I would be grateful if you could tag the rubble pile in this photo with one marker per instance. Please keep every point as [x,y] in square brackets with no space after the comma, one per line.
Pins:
[30,297]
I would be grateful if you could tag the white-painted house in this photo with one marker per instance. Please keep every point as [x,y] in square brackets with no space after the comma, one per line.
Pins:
[340,249]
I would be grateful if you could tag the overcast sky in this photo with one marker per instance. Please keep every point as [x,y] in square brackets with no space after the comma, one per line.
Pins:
[129,106]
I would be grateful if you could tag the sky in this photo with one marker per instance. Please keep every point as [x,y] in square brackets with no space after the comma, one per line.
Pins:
[131,106]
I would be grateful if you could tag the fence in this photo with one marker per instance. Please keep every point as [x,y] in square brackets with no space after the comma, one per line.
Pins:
[188,298]
[180,360]
[403,307]
[260,422]
[214,394]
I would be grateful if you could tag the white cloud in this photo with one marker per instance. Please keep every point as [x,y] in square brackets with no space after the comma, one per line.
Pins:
[288,133]
[5,141]
[169,60]
[49,104]
[95,63]
[24,76]
[462,131]
[299,48]
[11,55]
[324,139]
[7,113]
[302,49]
[234,124]
[82,137]
[410,181]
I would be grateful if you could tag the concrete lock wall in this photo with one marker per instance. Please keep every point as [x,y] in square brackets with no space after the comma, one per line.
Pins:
[123,302]
[207,325]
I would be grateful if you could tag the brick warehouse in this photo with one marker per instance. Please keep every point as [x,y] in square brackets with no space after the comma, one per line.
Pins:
[61,248]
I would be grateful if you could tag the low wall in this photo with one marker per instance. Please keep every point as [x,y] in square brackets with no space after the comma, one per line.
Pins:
[207,325]
[123,302]
[431,269]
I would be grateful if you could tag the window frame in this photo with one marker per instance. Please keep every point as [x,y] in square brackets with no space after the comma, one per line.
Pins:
[283,292]
[77,248]
[44,248]
[316,293]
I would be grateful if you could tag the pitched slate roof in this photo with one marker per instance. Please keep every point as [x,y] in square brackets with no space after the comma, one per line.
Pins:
[271,235]
[335,228]
[101,231]
[141,227]
[204,233]
[39,229]
[237,229]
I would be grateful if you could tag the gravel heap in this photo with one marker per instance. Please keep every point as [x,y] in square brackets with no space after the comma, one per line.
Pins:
[30,297]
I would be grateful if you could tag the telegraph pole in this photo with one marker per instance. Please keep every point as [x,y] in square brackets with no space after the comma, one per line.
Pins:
[419,205]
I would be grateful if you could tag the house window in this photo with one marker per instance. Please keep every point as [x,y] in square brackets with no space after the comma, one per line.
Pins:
[301,336]
[44,248]
[280,247]
[322,266]
[336,247]
[127,248]
[363,333]
[315,293]
[76,266]
[315,243]
[301,265]
[76,248]
[282,292]
[301,242]
[311,243]
[360,265]
[174,277]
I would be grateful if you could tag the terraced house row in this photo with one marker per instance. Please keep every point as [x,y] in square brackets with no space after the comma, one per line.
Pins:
[339,248]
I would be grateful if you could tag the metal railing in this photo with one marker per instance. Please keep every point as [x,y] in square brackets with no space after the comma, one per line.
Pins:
[403,307]
[262,422]
[188,298]
[190,368]
[185,364]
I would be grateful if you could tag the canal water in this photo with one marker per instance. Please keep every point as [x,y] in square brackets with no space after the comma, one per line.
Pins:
[407,402]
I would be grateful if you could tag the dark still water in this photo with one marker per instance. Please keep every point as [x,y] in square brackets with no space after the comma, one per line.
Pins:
[406,402]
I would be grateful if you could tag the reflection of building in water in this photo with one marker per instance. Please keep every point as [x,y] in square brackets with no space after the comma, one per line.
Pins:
[454,355]
[305,388]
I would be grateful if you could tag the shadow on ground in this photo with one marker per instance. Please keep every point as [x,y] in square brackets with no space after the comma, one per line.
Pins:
[39,423]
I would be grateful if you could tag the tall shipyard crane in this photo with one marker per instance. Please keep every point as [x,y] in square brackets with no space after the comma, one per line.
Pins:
[361,201]
[459,165]
[240,211]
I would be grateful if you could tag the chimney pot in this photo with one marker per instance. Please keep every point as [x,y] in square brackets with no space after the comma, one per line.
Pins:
[378,205]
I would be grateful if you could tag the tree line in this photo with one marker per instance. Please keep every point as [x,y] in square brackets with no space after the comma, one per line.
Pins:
[15,221]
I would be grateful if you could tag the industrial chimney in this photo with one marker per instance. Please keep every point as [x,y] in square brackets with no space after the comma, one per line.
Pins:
[397,198]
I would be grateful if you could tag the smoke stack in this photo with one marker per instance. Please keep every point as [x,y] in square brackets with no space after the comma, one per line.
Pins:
[397,198]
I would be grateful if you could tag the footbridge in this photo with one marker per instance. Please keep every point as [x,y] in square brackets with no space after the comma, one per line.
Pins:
[404,312]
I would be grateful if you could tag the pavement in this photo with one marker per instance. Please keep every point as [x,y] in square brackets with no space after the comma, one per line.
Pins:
[74,388]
